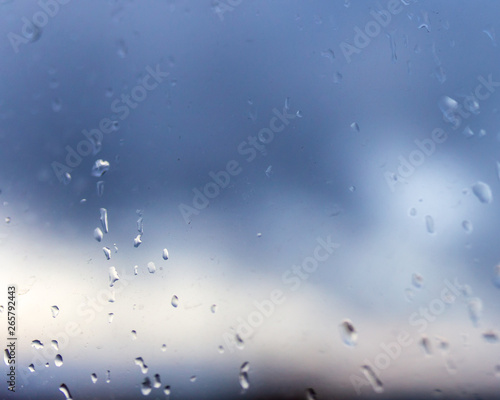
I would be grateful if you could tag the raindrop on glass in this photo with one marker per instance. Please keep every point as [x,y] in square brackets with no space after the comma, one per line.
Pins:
[299,114]
[483,192]
[355,127]
[372,377]
[467,225]
[100,188]
[110,317]
[113,276]
[107,252]
[163,347]
[31,367]
[175,301]
[136,269]
[412,212]
[475,306]
[310,394]
[165,254]
[213,308]
[157,381]
[98,235]
[348,333]
[133,333]
[55,344]
[243,377]
[166,390]
[429,224]
[426,345]
[104,219]
[64,389]
[93,378]
[108,376]
[146,387]
[192,378]
[417,280]
[151,267]
[58,360]
[140,362]
[37,344]
[99,168]
[137,241]
[55,311]
[490,336]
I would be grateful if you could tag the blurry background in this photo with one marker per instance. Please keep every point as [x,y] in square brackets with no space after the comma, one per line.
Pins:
[259,311]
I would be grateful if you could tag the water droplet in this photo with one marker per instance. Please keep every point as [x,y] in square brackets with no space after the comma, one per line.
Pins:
[192,378]
[310,394]
[490,32]
[56,105]
[113,276]
[67,178]
[100,188]
[175,301]
[7,220]
[429,224]
[299,114]
[329,54]
[122,49]
[471,104]
[112,298]
[426,345]
[412,212]
[140,362]
[355,127]
[98,235]
[93,378]
[240,344]
[163,347]
[417,280]
[221,349]
[372,377]
[55,344]
[352,189]
[99,168]
[157,381]
[31,368]
[107,252]
[37,344]
[137,241]
[133,334]
[108,376]
[58,360]
[269,171]
[151,267]
[287,103]
[467,225]
[337,77]
[104,219]
[243,378]
[110,317]
[468,132]
[483,192]
[490,336]
[6,357]
[136,269]
[392,44]
[64,389]
[140,226]
[475,306]
[146,387]
[55,311]
[165,254]
[166,390]
[259,235]
[213,308]
[32,32]
[348,333]
[449,107]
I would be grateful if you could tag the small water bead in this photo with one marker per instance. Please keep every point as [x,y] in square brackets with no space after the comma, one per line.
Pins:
[55,311]
[93,378]
[58,360]
[175,301]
